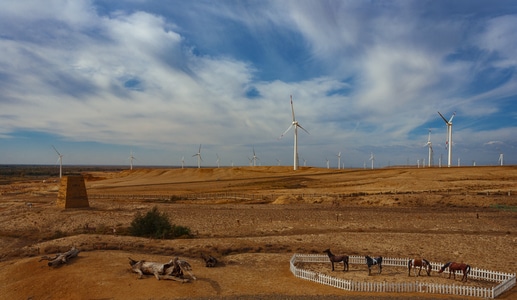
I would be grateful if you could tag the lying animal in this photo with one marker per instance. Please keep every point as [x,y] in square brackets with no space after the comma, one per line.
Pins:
[210,261]
[150,268]
[173,270]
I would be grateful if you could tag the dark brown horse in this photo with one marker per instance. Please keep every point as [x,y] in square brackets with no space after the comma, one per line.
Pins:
[454,266]
[419,262]
[373,261]
[337,258]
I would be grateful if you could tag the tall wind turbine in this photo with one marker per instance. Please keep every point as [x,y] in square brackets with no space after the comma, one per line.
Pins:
[430,146]
[295,125]
[199,159]
[60,159]
[500,159]
[449,136]
[339,160]
[372,158]
[328,163]
[182,162]
[131,158]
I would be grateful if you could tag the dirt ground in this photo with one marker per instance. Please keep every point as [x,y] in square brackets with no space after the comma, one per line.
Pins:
[253,219]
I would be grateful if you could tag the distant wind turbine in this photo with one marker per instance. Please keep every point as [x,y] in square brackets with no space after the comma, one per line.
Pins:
[217,161]
[182,162]
[430,147]
[328,163]
[449,136]
[500,159]
[372,158]
[339,160]
[199,159]
[254,158]
[60,159]
[295,125]
[278,162]
[131,158]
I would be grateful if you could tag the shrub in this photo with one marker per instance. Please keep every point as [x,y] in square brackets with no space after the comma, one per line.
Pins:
[155,224]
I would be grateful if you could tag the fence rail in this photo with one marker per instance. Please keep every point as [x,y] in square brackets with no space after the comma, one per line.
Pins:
[506,280]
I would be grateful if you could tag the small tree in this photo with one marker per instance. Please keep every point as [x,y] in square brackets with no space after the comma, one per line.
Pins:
[156,225]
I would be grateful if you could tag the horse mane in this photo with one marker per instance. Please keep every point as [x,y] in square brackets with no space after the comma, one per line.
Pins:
[446,265]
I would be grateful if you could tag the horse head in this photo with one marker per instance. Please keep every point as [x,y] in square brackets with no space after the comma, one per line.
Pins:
[444,267]
[428,267]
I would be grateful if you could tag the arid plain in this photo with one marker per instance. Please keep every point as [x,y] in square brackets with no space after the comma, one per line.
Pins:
[253,219]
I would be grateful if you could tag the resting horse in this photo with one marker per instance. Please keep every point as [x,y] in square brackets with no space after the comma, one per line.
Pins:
[419,262]
[373,261]
[337,258]
[454,266]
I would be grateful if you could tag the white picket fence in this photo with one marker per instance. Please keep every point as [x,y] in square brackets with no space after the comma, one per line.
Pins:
[506,280]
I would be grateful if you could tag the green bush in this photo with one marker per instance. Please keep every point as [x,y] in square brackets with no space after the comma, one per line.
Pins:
[156,225]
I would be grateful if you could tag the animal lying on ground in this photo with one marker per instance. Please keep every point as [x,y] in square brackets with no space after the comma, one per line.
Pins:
[171,270]
[210,261]
[337,258]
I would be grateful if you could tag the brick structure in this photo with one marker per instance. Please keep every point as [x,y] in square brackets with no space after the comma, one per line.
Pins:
[72,192]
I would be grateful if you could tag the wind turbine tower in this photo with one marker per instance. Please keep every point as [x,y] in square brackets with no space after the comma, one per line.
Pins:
[295,125]
[131,158]
[430,146]
[339,160]
[182,162]
[60,159]
[449,136]
[372,158]
[254,158]
[501,159]
[199,159]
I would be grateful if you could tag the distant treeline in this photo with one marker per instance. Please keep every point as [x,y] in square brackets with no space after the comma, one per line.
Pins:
[28,171]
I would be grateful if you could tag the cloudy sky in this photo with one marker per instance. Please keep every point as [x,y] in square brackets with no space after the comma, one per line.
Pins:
[101,79]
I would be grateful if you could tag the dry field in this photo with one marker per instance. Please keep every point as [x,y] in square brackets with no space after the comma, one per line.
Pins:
[253,219]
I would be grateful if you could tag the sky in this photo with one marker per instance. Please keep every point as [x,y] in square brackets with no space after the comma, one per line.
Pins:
[103,80]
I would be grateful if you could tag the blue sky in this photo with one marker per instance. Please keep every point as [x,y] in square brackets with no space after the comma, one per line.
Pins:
[99,79]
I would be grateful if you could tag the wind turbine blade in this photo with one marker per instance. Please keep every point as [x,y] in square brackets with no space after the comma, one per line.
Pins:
[286,131]
[443,117]
[452,117]
[56,150]
[302,128]
[292,107]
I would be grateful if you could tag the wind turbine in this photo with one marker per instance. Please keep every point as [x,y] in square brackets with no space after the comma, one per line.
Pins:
[131,158]
[500,159]
[295,125]
[199,159]
[254,159]
[339,160]
[430,146]
[328,163]
[449,137]
[372,158]
[278,162]
[182,161]
[60,159]
[217,161]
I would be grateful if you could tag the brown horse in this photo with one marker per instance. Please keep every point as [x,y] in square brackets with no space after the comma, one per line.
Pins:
[454,266]
[419,262]
[337,258]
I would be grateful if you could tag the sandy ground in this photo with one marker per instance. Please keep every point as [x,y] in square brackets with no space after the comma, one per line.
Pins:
[253,220]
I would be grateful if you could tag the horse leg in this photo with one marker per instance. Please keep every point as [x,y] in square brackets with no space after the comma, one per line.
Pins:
[419,270]
[332,265]
[409,270]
